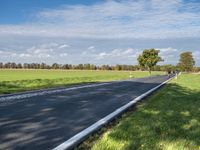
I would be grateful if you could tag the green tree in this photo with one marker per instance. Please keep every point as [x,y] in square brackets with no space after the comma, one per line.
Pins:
[149,58]
[55,66]
[186,62]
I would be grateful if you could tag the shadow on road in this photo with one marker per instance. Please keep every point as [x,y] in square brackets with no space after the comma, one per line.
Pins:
[45,121]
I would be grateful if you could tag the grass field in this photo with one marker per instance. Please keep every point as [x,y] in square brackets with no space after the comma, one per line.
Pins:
[22,80]
[168,120]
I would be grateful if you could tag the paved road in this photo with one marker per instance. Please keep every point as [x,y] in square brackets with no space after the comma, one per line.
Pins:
[44,121]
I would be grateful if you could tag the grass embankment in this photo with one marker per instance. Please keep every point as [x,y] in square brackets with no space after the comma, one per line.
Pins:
[22,80]
[168,120]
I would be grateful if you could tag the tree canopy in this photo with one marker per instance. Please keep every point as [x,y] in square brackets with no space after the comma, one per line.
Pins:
[186,62]
[149,58]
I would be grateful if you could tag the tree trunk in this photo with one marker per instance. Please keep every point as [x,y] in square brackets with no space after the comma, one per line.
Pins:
[149,71]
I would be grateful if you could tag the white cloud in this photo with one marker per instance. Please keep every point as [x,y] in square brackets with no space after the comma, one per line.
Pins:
[170,55]
[41,51]
[115,19]
[42,55]
[63,54]
[115,56]
[109,32]
[129,51]
[91,47]
[196,55]
[8,54]
[167,50]
[102,55]
[119,54]
[24,55]
[38,51]
[64,46]
[47,50]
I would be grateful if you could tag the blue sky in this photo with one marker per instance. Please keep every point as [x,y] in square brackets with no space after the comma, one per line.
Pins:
[15,12]
[99,32]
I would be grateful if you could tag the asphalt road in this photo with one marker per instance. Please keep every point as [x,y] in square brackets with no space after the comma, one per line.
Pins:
[46,120]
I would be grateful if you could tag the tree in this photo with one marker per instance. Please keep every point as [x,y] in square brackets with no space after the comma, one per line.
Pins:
[80,66]
[1,65]
[149,58]
[42,66]
[65,66]
[86,66]
[186,62]
[105,67]
[55,66]
[19,65]
[118,67]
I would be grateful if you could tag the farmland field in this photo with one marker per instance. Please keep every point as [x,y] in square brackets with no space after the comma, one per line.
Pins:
[21,80]
[168,120]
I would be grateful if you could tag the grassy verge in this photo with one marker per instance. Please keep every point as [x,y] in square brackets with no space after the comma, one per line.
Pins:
[169,120]
[22,80]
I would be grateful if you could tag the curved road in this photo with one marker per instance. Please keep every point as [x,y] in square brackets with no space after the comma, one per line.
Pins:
[43,120]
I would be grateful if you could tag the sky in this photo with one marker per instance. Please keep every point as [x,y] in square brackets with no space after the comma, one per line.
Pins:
[97,31]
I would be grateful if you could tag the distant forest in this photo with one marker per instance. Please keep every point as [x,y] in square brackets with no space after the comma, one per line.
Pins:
[12,65]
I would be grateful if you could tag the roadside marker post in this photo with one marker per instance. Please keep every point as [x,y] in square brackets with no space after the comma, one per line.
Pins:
[176,76]
[130,75]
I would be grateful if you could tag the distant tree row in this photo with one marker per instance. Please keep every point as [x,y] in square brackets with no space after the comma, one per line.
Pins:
[12,65]
[147,61]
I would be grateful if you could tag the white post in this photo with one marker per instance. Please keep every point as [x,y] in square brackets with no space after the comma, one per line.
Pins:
[176,77]
[130,75]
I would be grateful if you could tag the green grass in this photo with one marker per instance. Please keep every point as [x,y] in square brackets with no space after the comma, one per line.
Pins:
[22,80]
[168,120]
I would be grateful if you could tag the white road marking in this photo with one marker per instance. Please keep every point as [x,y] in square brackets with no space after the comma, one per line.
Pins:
[23,95]
[39,93]
[76,139]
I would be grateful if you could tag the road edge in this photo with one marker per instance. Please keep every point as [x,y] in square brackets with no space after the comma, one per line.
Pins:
[27,94]
[78,138]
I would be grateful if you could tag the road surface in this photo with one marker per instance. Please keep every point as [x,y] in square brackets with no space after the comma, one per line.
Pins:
[43,121]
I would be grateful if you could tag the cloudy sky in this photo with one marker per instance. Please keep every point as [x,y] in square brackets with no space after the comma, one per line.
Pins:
[97,31]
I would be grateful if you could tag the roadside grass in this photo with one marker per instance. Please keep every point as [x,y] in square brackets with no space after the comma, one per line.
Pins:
[14,80]
[167,120]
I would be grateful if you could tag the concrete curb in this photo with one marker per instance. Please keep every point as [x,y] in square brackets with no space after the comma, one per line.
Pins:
[76,139]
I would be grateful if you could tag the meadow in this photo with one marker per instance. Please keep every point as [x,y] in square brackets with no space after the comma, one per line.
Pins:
[167,120]
[15,80]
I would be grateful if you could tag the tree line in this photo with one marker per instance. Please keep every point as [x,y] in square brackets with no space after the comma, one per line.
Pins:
[150,57]
[147,61]
[13,65]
